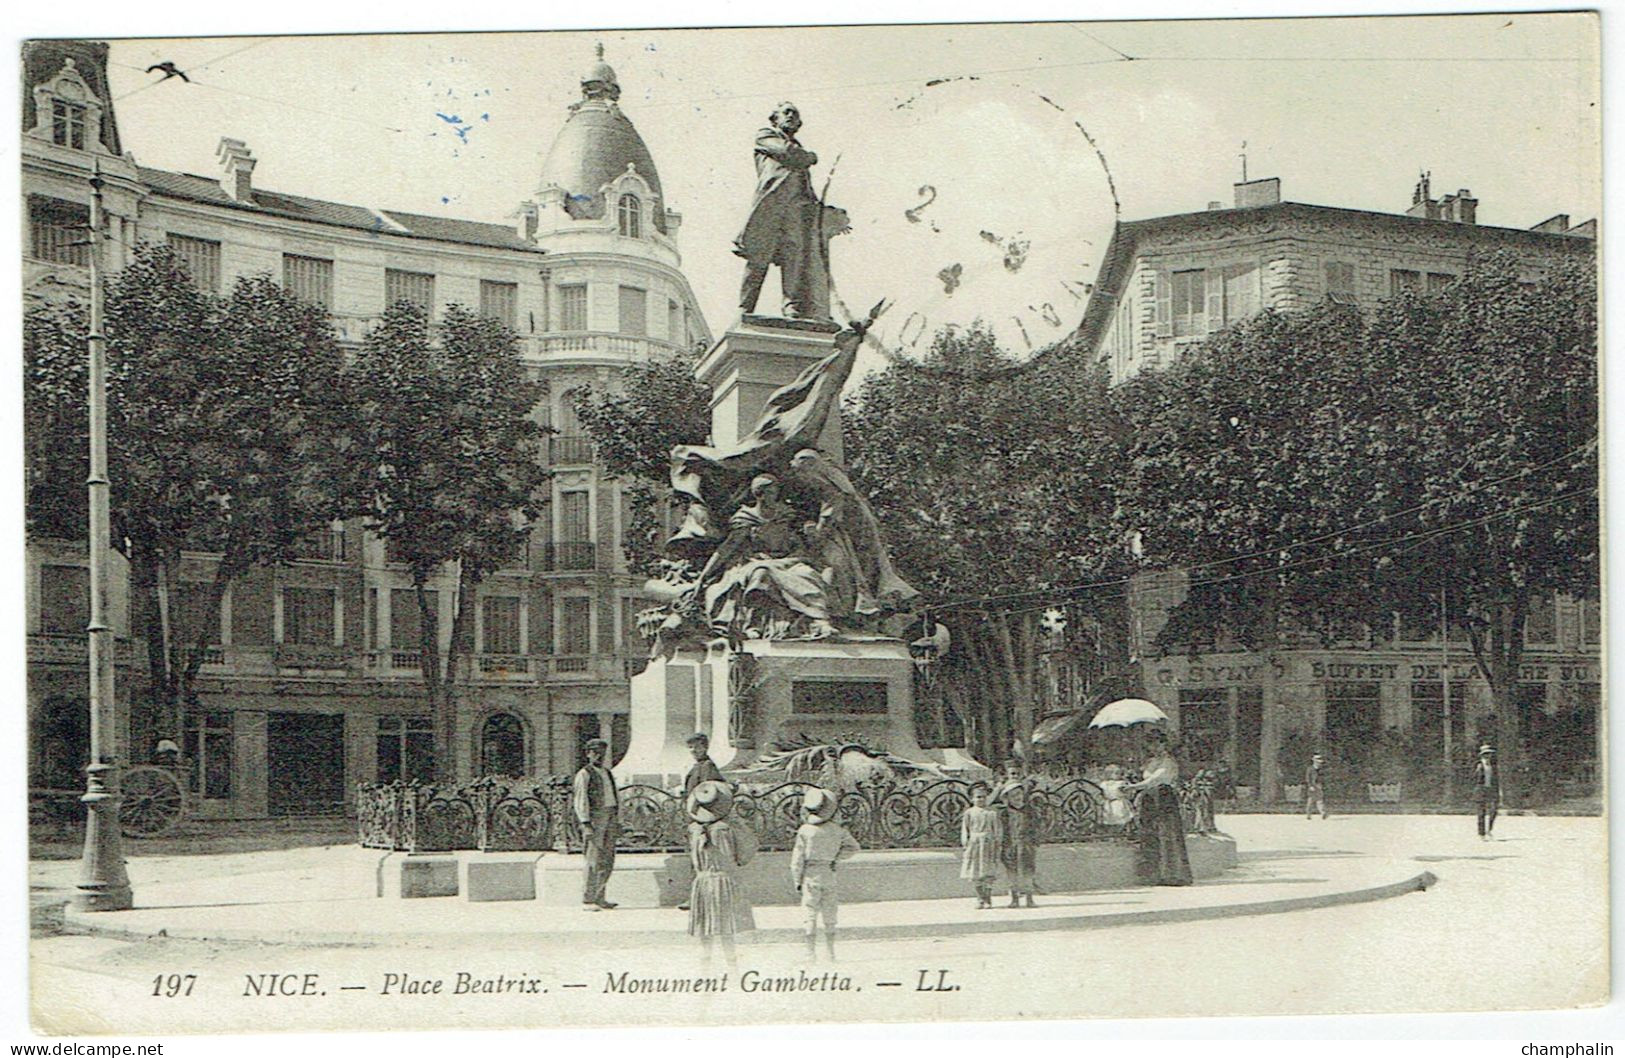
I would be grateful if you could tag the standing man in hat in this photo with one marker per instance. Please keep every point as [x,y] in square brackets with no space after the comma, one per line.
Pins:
[1314,787]
[1487,790]
[705,769]
[596,802]
[821,843]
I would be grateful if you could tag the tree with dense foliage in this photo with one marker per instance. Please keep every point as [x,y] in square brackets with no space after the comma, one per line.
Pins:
[995,478]
[450,459]
[1326,473]
[657,405]
[226,434]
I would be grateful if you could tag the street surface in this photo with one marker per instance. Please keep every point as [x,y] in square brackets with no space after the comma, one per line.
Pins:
[1520,923]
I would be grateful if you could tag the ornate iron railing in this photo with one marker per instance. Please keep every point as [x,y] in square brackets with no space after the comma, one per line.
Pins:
[510,815]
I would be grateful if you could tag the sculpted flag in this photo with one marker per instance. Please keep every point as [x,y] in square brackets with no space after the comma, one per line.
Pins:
[715,477]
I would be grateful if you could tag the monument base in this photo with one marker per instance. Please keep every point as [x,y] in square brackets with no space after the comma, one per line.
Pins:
[664,879]
[772,694]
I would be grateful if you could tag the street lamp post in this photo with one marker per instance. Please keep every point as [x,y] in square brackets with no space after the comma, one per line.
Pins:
[103,883]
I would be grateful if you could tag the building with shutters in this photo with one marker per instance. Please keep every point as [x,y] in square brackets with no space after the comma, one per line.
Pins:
[311,683]
[1164,285]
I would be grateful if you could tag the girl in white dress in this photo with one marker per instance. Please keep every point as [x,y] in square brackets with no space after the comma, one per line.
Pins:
[981,831]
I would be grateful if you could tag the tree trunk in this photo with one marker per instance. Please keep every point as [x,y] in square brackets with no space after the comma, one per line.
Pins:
[445,770]
[459,659]
[1499,656]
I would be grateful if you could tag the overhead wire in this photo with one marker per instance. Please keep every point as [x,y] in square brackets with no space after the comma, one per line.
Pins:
[1417,539]
[976,602]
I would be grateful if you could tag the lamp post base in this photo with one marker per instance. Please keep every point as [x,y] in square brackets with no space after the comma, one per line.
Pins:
[103,884]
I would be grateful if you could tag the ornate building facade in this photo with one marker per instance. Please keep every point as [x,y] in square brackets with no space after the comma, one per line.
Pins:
[1168,282]
[311,683]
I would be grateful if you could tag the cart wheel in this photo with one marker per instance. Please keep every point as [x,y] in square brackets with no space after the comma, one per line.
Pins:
[153,801]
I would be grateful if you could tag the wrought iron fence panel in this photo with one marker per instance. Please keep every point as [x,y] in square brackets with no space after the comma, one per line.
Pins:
[652,818]
[516,817]
[882,813]
[442,819]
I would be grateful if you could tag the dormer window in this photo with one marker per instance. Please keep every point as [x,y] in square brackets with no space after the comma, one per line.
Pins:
[67,112]
[631,215]
[68,124]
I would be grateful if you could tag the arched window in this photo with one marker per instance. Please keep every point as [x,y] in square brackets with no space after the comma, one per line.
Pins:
[631,213]
[502,746]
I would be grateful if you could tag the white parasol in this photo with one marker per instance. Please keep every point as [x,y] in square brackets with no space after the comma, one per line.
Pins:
[1125,712]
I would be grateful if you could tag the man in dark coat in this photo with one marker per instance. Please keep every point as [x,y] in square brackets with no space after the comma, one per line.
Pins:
[1487,790]
[788,225]
[705,769]
[595,800]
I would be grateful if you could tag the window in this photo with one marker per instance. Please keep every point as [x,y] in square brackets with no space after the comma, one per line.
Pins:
[406,619]
[307,616]
[64,599]
[1189,303]
[575,625]
[67,124]
[1404,281]
[1591,623]
[59,231]
[1437,281]
[208,752]
[405,749]
[500,625]
[632,641]
[1204,725]
[201,258]
[634,311]
[674,321]
[372,619]
[500,302]
[573,307]
[1427,714]
[502,746]
[574,518]
[1241,299]
[1540,624]
[631,215]
[194,614]
[310,279]
[417,288]
[1340,282]
[1353,719]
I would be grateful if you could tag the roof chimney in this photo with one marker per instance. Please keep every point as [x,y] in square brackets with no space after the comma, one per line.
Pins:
[1252,193]
[236,169]
[1553,225]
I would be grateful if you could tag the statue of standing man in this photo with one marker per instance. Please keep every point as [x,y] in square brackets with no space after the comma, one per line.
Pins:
[789,226]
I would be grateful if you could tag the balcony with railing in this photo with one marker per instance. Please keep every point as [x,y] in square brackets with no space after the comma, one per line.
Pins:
[504,667]
[565,556]
[569,450]
[597,343]
[324,545]
[394,663]
[312,658]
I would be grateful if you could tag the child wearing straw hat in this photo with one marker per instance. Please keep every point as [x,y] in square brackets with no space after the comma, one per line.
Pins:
[821,843]
[718,906]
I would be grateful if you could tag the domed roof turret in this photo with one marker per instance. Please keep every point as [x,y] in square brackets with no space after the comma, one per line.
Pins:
[596,145]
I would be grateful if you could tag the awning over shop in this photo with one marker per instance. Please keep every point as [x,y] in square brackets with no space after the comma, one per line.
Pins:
[1055,727]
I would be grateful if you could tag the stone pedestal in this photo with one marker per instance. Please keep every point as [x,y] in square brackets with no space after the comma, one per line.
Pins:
[770,691]
[756,356]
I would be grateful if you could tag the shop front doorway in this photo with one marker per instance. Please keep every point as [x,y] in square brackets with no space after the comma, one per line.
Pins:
[305,764]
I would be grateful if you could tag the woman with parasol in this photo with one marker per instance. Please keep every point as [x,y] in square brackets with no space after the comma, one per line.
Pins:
[1163,859]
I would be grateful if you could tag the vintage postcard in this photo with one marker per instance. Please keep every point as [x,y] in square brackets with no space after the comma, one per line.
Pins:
[915,523]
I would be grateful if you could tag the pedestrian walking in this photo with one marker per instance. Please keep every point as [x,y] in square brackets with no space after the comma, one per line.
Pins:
[1314,787]
[596,803]
[821,843]
[719,907]
[981,831]
[1019,848]
[1487,791]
